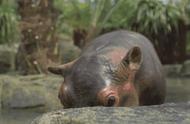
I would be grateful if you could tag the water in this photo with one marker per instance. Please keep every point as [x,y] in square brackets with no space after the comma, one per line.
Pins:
[17,116]
[178,90]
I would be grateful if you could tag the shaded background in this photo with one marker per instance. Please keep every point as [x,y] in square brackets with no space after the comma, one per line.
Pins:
[36,30]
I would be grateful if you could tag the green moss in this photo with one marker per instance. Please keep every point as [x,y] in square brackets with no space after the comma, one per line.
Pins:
[30,91]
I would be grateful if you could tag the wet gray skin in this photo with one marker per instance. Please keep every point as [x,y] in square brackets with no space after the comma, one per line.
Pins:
[120,68]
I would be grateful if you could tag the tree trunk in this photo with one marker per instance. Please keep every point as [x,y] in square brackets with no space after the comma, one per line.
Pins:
[38,42]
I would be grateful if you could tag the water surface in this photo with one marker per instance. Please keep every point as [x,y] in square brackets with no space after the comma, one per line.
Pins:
[178,90]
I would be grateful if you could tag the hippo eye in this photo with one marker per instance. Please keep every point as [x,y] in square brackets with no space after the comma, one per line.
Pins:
[111,101]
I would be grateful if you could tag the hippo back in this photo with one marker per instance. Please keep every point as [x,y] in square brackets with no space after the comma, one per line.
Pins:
[149,79]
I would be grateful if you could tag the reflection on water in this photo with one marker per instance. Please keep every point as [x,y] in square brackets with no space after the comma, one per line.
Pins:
[178,90]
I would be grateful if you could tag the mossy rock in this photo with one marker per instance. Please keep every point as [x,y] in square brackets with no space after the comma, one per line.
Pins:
[30,91]
[7,53]
[185,70]
[173,70]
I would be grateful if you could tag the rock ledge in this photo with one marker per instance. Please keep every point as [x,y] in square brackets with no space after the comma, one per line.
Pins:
[161,114]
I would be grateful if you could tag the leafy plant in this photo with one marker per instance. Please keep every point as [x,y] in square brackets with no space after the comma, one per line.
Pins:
[90,15]
[9,31]
[153,16]
[123,17]
[8,22]
[184,6]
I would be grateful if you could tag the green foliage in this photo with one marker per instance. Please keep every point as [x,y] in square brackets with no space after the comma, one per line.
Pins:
[72,15]
[150,16]
[85,15]
[184,6]
[146,16]
[123,17]
[8,22]
[153,16]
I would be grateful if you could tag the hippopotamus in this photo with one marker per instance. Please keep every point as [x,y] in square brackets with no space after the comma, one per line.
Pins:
[119,68]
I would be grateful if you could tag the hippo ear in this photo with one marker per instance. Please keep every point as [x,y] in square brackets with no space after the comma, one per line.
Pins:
[61,69]
[128,67]
[133,59]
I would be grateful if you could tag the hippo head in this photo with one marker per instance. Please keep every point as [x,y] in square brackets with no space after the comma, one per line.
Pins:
[91,81]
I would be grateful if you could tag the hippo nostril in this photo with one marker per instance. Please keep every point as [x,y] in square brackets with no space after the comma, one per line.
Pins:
[111,101]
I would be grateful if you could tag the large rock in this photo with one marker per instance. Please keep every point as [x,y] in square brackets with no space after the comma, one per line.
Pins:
[185,71]
[178,70]
[163,114]
[7,54]
[30,91]
[0,94]
[178,90]
[172,70]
